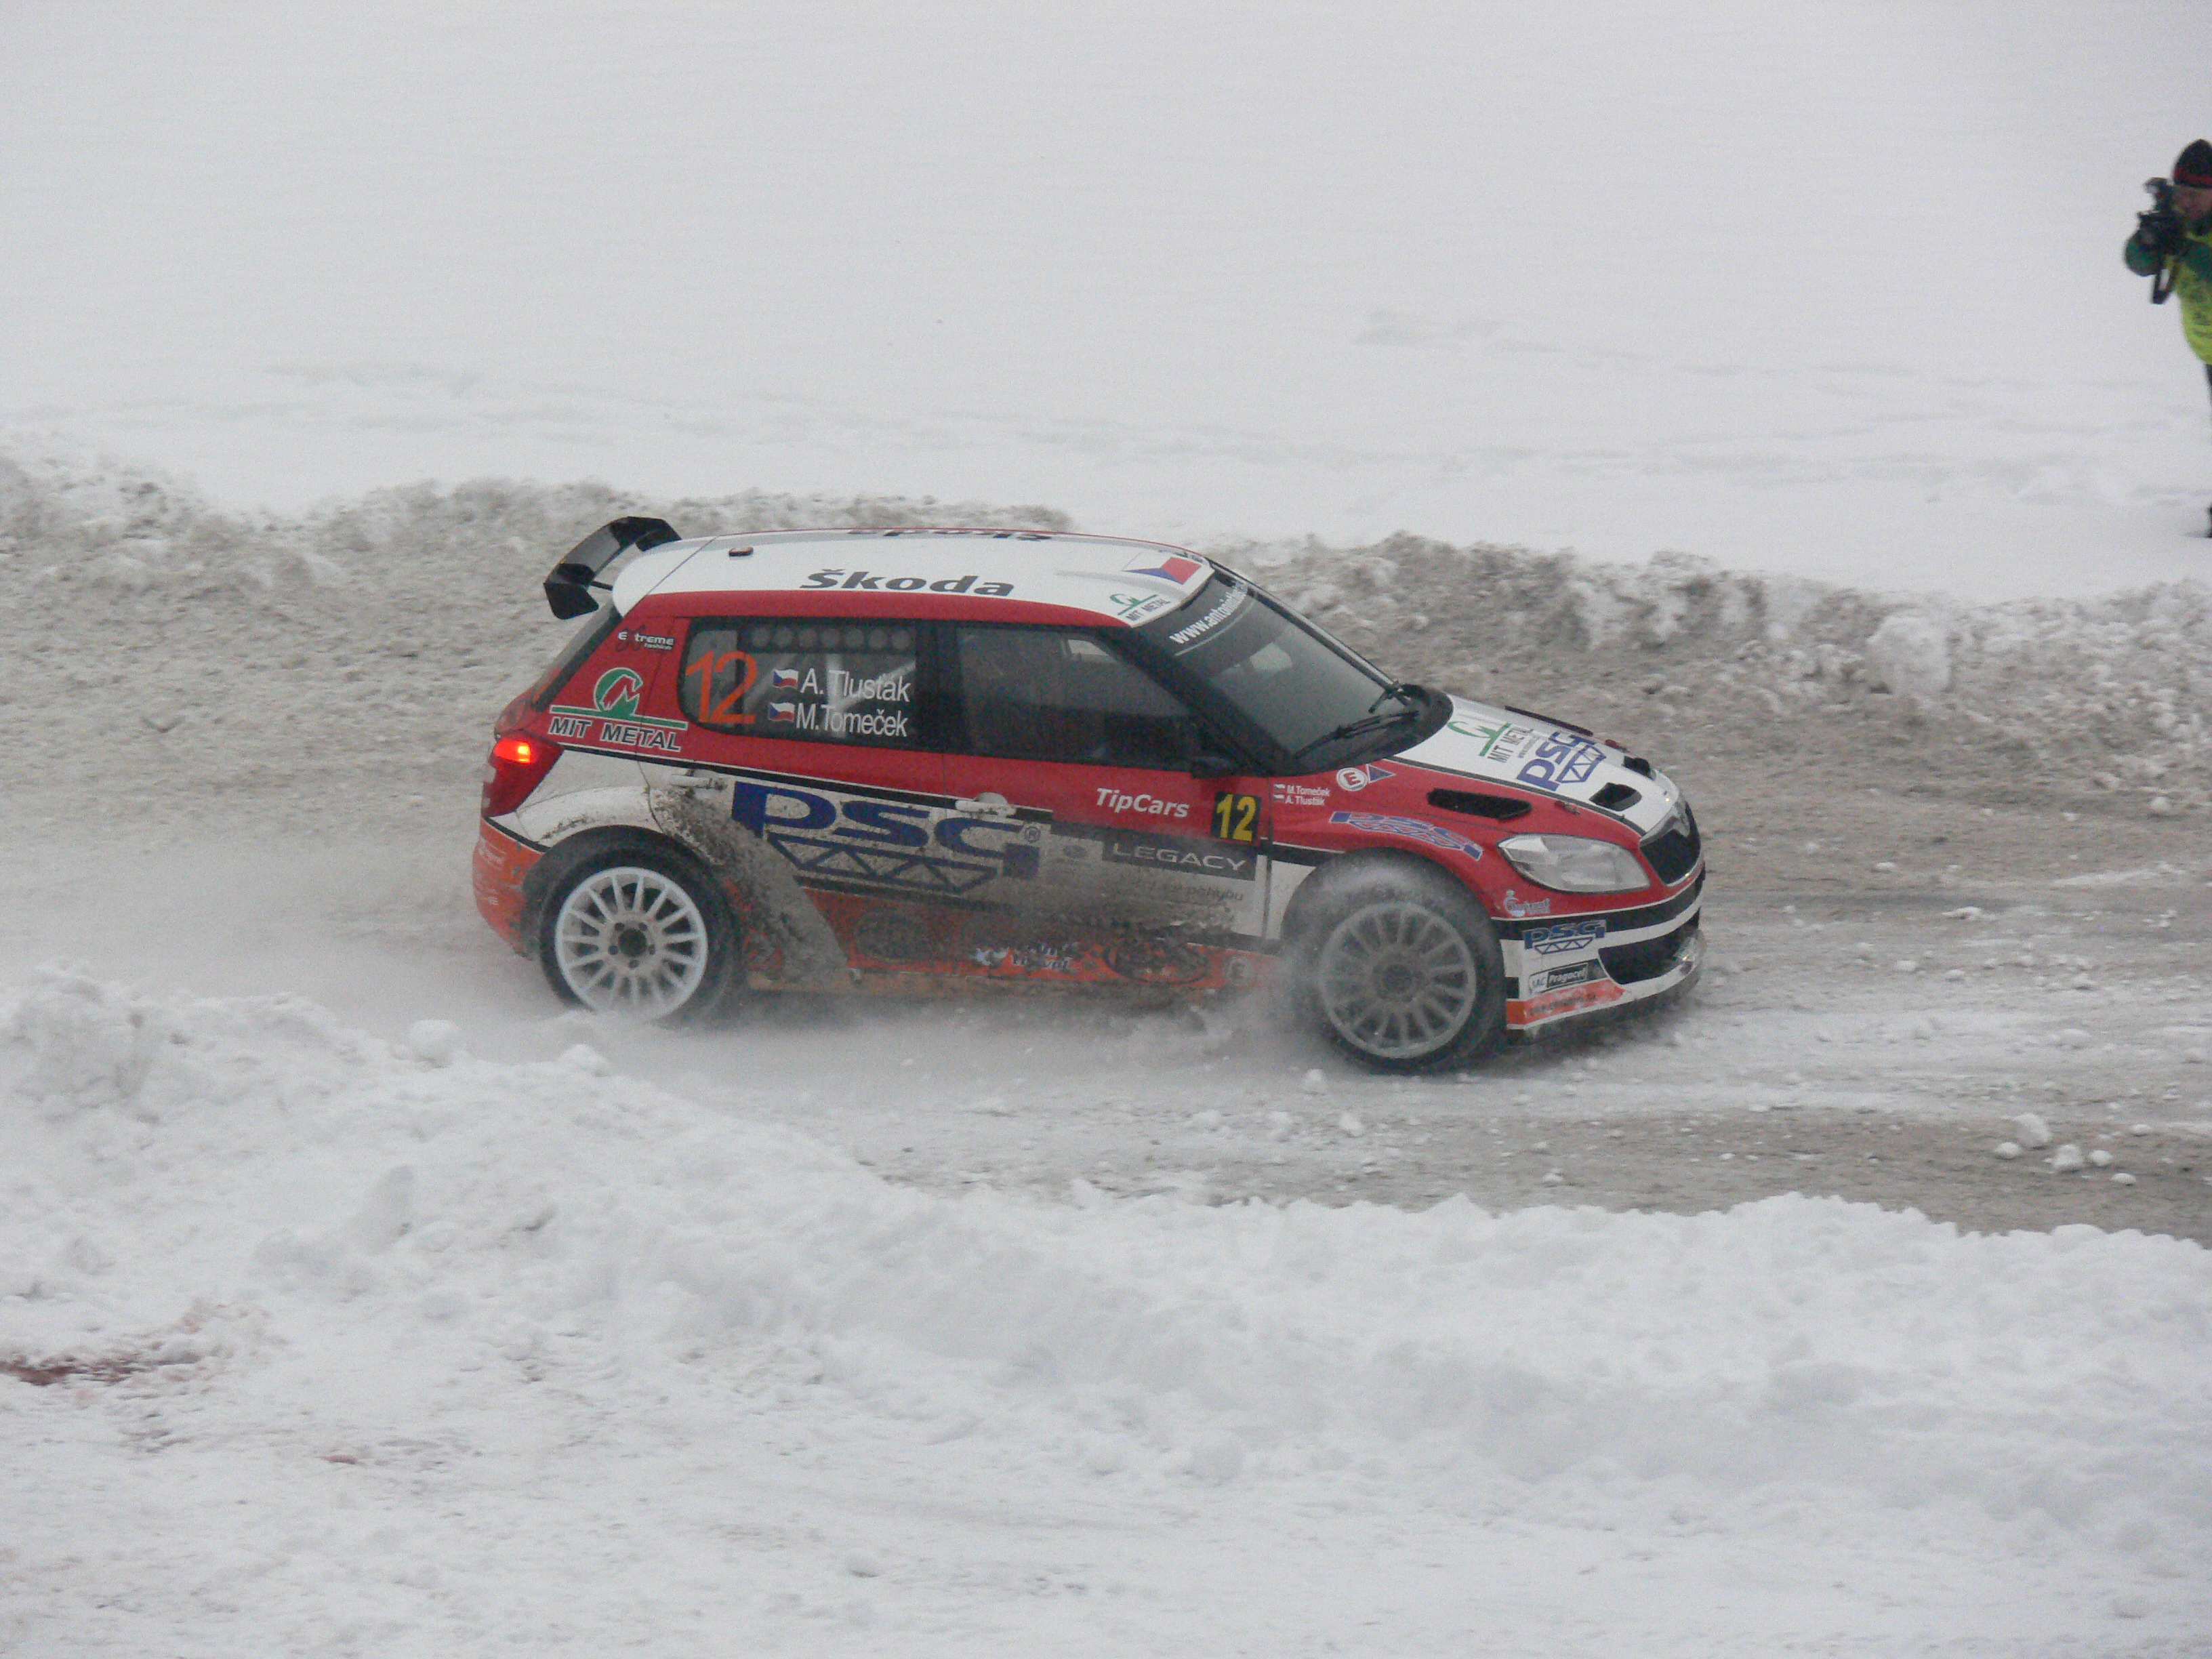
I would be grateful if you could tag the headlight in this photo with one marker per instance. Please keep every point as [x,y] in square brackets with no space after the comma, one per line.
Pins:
[1575,864]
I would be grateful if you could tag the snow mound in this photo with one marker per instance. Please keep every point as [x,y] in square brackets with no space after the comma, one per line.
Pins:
[320,1187]
[426,598]
[2095,697]
[366,646]
[1910,654]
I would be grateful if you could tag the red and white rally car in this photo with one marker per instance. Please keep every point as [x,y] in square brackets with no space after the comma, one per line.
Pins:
[932,761]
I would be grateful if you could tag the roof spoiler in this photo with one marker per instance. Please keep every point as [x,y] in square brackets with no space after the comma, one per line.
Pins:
[568,587]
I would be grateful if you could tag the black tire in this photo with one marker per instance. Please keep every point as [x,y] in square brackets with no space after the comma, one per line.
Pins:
[639,932]
[1402,972]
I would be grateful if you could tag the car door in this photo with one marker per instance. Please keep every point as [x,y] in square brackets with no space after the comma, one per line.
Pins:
[820,792]
[1152,862]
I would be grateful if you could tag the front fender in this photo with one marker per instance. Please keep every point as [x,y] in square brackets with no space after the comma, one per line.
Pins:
[1380,865]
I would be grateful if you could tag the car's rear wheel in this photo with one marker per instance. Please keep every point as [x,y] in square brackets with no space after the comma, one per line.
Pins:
[638,932]
[1405,975]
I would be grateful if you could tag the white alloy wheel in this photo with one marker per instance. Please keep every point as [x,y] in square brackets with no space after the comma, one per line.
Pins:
[1396,980]
[630,939]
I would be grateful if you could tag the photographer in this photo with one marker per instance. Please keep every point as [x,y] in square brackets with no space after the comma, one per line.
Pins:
[2172,245]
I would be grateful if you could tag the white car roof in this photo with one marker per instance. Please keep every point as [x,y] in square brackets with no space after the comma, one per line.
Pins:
[1116,579]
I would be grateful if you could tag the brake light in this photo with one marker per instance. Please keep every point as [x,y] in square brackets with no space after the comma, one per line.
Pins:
[518,764]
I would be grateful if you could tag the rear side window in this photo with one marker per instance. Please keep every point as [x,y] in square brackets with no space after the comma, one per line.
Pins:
[825,681]
[590,634]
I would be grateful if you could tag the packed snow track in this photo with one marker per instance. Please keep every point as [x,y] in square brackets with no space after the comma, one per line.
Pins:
[352,1294]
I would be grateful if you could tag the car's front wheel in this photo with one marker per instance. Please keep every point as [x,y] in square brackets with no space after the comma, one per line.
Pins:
[1406,975]
[638,932]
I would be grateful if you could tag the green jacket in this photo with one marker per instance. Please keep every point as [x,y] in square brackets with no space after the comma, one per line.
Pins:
[2192,281]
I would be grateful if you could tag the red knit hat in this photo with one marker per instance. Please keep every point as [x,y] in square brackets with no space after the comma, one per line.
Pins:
[2194,165]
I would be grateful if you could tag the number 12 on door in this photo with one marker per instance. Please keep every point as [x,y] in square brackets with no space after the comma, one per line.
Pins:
[1235,817]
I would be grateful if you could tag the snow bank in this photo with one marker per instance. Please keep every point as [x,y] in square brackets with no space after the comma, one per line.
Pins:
[426,599]
[235,1178]
[366,646]
[2107,696]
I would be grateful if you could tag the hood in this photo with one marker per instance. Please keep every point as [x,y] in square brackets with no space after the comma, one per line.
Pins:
[1530,752]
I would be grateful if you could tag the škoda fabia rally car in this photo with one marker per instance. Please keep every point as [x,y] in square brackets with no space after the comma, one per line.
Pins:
[906,762]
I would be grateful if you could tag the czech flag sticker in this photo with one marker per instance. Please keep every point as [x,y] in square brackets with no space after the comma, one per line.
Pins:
[1168,567]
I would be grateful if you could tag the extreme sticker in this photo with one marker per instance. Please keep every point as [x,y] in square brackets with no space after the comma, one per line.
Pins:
[1386,824]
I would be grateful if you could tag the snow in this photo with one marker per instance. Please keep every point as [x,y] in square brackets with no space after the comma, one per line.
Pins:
[1910,654]
[391,1346]
[1694,372]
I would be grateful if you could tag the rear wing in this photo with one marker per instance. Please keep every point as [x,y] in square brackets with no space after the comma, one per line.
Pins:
[569,587]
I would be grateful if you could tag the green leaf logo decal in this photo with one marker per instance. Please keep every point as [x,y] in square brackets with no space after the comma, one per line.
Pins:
[617,692]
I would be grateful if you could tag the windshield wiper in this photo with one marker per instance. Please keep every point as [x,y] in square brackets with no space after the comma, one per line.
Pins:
[1411,696]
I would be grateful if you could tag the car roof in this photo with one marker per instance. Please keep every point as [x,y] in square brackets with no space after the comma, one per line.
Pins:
[1110,578]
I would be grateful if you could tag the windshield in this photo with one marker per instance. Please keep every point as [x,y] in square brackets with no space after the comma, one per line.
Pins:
[1295,686]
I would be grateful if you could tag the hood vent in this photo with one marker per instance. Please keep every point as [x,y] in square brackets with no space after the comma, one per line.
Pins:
[1616,798]
[1477,806]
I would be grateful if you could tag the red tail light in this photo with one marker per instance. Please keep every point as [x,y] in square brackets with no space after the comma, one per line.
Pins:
[518,765]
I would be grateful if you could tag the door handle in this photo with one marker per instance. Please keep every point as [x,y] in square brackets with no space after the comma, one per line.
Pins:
[987,805]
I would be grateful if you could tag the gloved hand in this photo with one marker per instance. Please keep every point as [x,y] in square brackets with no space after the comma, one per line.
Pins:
[2159,233]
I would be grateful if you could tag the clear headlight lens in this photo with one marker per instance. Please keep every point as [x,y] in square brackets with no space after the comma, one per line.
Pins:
[1575,864]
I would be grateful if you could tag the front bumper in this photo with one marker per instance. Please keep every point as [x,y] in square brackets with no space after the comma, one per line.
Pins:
[1592,964]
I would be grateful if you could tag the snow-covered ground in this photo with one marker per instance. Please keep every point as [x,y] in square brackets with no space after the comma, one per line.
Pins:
[334,1330]
[336,1344]
[355,1300]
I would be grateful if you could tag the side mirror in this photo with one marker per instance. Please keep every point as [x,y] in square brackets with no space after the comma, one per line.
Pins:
[1211,766]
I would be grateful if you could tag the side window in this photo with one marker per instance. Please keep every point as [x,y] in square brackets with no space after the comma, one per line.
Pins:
[590,634]
[829,681]
[1052,695]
